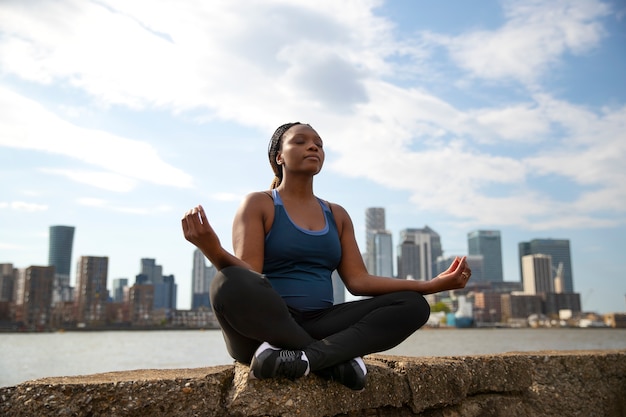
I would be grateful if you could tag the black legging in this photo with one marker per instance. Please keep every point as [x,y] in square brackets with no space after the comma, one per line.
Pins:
[250,312]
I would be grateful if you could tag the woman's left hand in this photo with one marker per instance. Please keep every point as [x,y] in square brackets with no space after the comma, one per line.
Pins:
[455,277]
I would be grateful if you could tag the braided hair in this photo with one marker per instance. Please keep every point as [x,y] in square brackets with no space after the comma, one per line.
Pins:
[274,148]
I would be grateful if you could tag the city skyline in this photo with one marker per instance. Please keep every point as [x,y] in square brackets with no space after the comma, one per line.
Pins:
[507,116]
[202,271]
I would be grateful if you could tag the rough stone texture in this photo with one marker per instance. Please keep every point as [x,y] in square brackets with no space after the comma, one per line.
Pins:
[576,383]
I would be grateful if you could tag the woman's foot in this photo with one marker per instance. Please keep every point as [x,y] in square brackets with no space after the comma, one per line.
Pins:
[269,362]
[352,373]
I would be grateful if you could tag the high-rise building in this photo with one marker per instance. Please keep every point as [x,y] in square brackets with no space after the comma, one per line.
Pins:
[141,301]
[91,289]
[164,296]
[151,270]
[201,277]
[537,276]
[383,264]
[118,289]
[33,296]
[488,244]
[8,279]
[418,252]
[339,289]
[61,241]
[379,246]
[165,293]
[559,251]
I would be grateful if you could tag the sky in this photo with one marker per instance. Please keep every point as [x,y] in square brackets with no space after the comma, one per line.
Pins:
[117,117]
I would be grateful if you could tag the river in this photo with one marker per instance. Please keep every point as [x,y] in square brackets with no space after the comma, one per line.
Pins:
[26,356]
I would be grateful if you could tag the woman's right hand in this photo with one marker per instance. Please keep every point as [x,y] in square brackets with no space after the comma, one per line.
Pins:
[198,231]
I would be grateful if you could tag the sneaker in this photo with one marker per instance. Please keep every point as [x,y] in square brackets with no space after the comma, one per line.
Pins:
[352,373]
[269,362]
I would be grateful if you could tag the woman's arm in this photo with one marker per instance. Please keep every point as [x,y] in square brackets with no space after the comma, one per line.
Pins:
[252,222]
[359,282]
[198,231]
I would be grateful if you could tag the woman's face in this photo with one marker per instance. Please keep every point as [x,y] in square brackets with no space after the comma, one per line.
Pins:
[301,150]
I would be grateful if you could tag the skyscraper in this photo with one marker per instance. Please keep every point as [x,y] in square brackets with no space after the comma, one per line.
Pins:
[61,241]
[418,252]
[152,271]
[559,251]
[118,289]
[33,298]
[164,296]
[374,221]
[378,242]
[383,256]
[8,280]
[201,277]
[339,288]
[537,274]
[488,244]
[91,289]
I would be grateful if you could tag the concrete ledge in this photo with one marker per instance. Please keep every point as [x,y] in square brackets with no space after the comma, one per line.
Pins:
[570,383]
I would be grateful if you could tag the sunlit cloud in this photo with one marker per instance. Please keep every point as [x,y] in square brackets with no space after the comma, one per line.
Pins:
[104,180]
[108,206]
[123,157]
[334,74]
[534,39]
[23,206]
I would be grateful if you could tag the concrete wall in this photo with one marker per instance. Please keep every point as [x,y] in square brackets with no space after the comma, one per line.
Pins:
[555,383]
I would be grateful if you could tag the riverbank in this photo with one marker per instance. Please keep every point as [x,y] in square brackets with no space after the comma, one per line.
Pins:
[548,383]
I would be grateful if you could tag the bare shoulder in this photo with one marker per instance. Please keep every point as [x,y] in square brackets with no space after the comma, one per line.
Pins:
[342,218]
[258,198]
[257,203]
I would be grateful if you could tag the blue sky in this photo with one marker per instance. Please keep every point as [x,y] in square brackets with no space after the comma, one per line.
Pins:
[116,117]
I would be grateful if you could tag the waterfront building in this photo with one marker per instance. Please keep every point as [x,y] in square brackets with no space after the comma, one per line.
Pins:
[537,274]
[554,303]
[488,306]
[61,241]
[559,250]
[200,318]
[91,289]
[201,277]
[33,296]
[518,307]
[141,302]
[488,244]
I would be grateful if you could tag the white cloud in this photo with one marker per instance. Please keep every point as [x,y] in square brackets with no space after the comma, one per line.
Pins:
[106,205]
[105,180]
[534,38]
[322,62]
[519,122]
[23,206]
[123,157]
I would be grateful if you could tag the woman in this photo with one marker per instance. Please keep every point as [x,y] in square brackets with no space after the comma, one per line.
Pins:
[273,297]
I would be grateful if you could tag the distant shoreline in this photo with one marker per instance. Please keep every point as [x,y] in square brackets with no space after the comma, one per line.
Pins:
[103,329]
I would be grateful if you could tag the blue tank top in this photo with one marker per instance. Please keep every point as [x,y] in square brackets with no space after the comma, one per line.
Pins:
[299,262]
